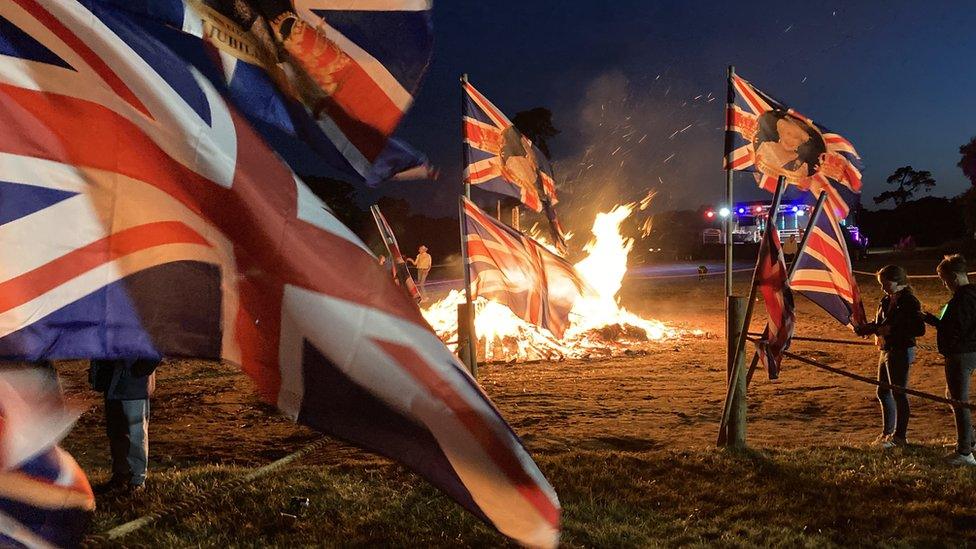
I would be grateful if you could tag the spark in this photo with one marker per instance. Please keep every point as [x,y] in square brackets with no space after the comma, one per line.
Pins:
[643,137]
[615,151]
[669,158]
[685,128]
[788,29]
[697,97]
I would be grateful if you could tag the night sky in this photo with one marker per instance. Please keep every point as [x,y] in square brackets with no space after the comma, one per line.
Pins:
[899,81]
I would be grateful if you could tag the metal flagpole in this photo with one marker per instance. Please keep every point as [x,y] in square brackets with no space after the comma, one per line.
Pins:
[792,268]
[729,100]
[740,342]
[467,350]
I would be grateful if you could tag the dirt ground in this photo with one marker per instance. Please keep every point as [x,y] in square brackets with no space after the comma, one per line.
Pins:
[668,398]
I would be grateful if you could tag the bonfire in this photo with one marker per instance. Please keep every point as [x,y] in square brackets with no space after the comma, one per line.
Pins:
[599,325]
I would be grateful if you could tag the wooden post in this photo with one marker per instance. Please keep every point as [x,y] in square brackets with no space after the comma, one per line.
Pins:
[467,346]
[516,218]
[735,434]
[737,344]
[467,338]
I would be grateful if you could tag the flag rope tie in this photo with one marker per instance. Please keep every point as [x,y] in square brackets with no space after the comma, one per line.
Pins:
[198,500]
[865,379]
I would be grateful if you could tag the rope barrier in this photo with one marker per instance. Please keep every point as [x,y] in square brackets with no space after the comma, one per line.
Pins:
[865,273]
[895,388]
[923,346]
[195,502]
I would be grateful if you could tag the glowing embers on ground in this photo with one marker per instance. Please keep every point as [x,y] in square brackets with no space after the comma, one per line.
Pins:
[598,324]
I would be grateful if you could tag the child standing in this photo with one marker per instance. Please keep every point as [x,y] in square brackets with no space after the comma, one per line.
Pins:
[896,326]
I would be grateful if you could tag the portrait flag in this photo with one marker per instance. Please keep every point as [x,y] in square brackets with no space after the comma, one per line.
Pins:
[771,278]
[324,82]
[499,159]
[824,275]
[142,215]
[400,269]
[765,136]
[512,269]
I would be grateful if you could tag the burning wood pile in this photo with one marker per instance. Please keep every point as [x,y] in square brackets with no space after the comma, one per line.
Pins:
[599,325]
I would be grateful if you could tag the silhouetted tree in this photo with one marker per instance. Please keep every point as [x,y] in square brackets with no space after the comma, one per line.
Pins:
[536,124]
[968,161]
[909,182]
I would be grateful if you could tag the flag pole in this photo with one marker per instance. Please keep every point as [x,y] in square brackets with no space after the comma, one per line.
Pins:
[753,290]
[814,217]
[729,100]
[467,349]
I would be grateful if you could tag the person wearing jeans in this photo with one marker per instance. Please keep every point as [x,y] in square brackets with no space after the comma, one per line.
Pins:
[957,343]
[127,386]
[896,326]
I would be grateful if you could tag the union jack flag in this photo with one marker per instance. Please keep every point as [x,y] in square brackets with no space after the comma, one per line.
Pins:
[400,269]
[499,159]
[508,267]
[765,136]
[823,272]
[141,215]
[771,279]
[45,498]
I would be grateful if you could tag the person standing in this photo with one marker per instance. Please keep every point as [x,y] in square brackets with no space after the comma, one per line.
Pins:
[956,340]
[790,247]
[422,263]
[127,386]
[897,324]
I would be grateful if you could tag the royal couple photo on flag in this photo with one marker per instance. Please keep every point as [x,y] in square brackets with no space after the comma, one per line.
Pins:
[214,333]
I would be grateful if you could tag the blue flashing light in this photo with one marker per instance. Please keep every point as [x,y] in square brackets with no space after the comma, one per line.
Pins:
[741,210]
[795,209]
[800,213]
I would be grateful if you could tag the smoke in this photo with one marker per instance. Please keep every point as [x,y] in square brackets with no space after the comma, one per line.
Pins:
[629,137]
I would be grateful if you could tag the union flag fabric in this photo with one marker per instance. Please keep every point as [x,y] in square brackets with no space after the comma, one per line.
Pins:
[508,267]
[143,215]
[764,135]
[499,159]
[823,272]
[771,279]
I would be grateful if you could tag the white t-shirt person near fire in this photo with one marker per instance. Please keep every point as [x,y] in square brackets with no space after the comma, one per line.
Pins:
[423,263]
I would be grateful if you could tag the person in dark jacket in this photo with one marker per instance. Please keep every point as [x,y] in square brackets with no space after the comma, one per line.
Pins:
[127,386]
[897,324]
[956,339]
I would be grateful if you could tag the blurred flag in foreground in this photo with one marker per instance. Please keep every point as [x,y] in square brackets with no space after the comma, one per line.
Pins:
[399,264]
[501,160]
[775,288]
[823,272]
[765,136]
[511,268]
[141,215]
[45,498]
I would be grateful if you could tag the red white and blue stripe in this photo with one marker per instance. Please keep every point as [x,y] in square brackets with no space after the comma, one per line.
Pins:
[771,278]
[514,270]
[45,498]
[839,172]
[484,125]
[823,272]
[144,216]
[400,269]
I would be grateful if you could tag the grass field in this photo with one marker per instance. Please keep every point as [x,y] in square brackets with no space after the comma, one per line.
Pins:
[627,442]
